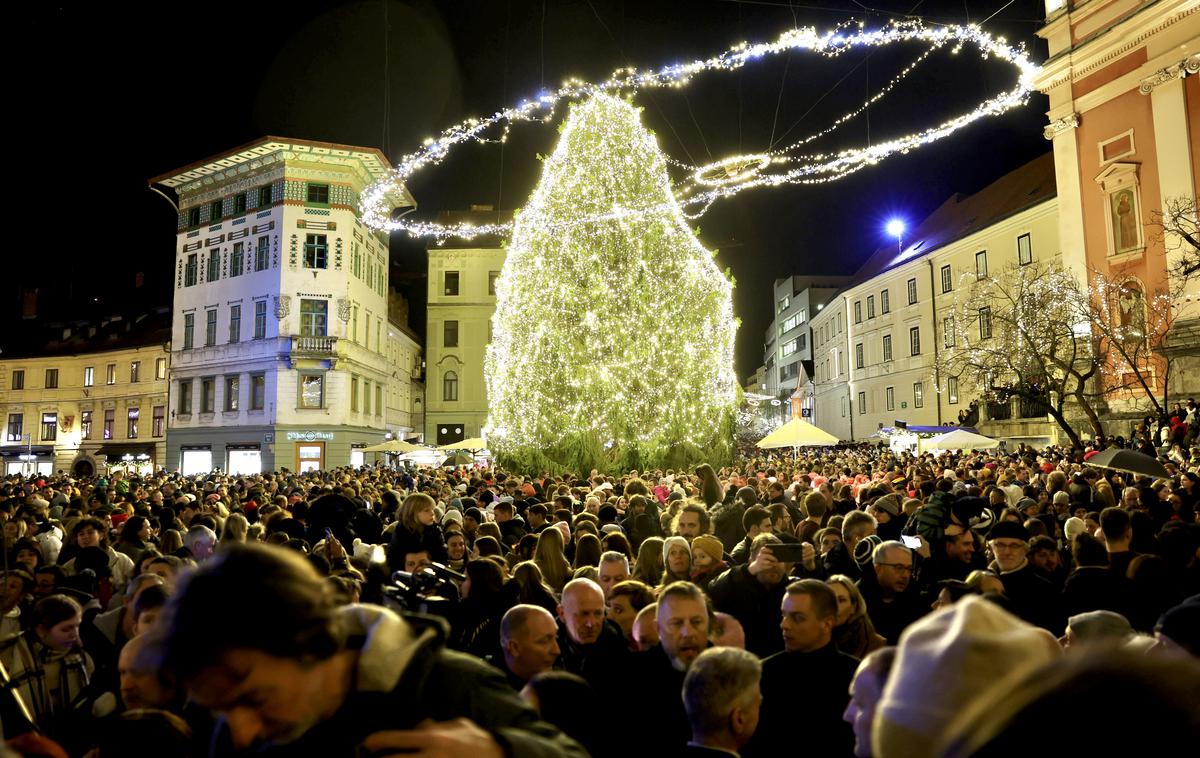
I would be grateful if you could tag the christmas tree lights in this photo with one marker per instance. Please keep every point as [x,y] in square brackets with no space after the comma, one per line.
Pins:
[700,186]
[612,340]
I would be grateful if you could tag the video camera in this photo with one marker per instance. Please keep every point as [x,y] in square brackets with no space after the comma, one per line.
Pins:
[431,590]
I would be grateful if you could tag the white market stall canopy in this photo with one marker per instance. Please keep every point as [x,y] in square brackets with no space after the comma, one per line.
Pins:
[393,446]
[960,439]
[797,433]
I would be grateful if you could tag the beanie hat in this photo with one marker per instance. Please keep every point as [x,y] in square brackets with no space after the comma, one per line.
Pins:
[1072,527]
[710,546]
[1025,504]
[452,515]
[1100,626]
[474,513]
[968,647]
[670,542]
[1062,497]
[888,504]
[1181,624]
[1009,530]
[565,528]
[865,547]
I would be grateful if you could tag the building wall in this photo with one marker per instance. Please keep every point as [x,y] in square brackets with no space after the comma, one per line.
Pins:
[72,399]
[831,409]
[448,420]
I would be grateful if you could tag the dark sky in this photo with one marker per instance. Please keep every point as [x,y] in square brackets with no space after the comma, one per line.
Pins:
[113,97]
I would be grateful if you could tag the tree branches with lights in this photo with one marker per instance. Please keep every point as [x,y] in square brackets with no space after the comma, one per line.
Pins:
[612,340]
[1178,228]
[1025,332]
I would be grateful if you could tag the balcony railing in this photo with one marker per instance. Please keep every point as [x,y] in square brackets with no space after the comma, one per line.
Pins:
[325,346]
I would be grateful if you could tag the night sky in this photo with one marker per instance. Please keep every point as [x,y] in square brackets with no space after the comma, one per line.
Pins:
[114,97]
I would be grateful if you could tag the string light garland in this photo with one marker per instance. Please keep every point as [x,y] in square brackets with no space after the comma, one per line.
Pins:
[692,194]
[612,339]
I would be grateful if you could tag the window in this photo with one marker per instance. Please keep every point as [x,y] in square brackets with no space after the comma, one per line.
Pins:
[981,264]
[235,323]
[214,266]
[862,403]
[947,284]
[237,259]
[131,424]
[233,387]
[451,287]
[492,277]
[85,424]
[258,391]
[985,323]
[160,421]
[89,376]
[208,395]
[189,271]
[110,374]
[784,302]
[858,355]
[887,347]
[210,327]
[1024,250]
[239,203]
[918,394]
[948,331]
[135,372]
[378,400]
[260,319]
[314,315]
[354,394]
[18,379]
[110,420]
[885,305]
[312,390]
[450,334]
[185,396]
[264,196]
[890,394]
[316,251]
[843,404]
[214,211]
[790,347]
[952,390]
[194,216]
[912,291]
[870,306]
[379,335]
[796,319]
[51,378]
[858,311]
[450,386]
[366,397]
[16,430]
[914,340]
[160,368]
[354,324]
[260,254]
[318,193]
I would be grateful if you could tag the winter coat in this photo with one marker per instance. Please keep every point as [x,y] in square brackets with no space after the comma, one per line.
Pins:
[406,675]
[754,604]
[405,541]
[119,564]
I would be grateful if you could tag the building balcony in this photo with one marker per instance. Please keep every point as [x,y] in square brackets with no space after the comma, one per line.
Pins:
[320,347]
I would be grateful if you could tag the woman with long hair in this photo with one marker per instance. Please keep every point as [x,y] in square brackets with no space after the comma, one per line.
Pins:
[854,633]
[487,593]
[677,560]
[550,558]
[235,529]
[587,551]
[92,532]
[533,588]
[416,531]
[135,536]
[649,565]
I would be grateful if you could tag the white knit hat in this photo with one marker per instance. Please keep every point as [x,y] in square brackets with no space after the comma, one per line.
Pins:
[946,660]
[1072,527]
[669,542]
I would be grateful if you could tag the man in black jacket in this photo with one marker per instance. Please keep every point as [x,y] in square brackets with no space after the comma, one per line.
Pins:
[892,600]
[253,637]
[592,646]
[1031,595]
[809,682]
[751,593]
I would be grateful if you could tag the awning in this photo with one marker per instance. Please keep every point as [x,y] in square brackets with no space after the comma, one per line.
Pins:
[14,451]
[118,451]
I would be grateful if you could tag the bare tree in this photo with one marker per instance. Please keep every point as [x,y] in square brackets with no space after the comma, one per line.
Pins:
[1024,332]
[1131,328]
[1179,230]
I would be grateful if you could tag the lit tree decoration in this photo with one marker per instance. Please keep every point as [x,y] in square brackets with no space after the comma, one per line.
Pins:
[612,340]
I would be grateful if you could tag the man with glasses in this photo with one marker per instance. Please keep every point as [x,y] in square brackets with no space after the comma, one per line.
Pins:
[1031,596]
[891,596]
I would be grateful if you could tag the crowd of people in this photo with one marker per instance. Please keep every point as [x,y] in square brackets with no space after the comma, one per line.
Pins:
[847,601]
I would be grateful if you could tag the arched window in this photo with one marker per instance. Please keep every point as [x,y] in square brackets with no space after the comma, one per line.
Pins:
[450,386]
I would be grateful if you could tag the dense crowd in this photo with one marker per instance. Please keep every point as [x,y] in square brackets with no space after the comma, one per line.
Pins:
[846,601]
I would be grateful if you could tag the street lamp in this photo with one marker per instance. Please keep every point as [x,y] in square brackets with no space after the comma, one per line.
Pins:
[896,227]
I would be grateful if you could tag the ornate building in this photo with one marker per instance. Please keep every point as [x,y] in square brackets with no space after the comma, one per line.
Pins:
[281,338]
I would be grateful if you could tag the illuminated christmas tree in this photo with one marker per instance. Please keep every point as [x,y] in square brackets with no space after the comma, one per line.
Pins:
[612,341]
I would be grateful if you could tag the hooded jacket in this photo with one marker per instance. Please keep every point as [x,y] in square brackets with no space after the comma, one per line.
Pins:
[406,675]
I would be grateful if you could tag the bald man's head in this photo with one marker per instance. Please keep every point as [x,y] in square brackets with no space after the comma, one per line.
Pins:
[582,611]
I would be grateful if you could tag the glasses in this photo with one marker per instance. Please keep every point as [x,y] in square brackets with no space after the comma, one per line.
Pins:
[1001,547]
[903,568]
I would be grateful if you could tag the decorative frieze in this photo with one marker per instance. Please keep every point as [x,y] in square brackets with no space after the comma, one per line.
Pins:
[1185,67]
[1060,125]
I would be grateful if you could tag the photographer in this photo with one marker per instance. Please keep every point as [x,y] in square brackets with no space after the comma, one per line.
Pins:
[254,636]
